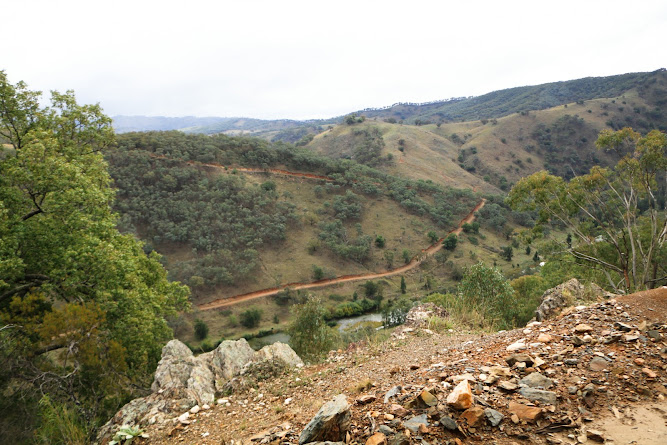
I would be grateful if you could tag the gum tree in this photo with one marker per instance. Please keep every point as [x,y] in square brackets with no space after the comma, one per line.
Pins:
[616,215]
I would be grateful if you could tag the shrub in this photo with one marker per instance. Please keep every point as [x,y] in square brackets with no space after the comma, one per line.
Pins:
[251,317]
[450,242]
[487,291]
[379,241]
[311,338]
[201,329]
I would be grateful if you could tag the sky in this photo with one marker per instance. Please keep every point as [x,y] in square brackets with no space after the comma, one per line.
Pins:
[317,59]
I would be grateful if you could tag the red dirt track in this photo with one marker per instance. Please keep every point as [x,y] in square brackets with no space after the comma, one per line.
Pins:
[224,302]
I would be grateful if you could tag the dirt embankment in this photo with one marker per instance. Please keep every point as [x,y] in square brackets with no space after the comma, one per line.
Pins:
[416,261]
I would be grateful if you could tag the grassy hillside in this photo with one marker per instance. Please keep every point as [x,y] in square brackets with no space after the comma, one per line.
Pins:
[514,100]
[488,155]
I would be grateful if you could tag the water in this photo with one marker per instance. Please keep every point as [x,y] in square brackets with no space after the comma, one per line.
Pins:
[284,337]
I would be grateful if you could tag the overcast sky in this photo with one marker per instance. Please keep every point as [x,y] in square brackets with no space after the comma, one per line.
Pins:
[315,59]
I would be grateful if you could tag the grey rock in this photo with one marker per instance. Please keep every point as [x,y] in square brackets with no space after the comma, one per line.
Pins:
[227,360]
[571,361]
[553,300]
[384,429]
[622,327]
[548,397]
[654,334]
[519,358]
[330,423]
[537,380]
[413,423]
[278,351]
[598,364]
[508,385]
[577,341]
[448,423]
[391,393]
[494,417]
[572,390]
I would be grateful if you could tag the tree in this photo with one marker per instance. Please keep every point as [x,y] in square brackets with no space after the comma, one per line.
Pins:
[310,336]
[201,329]
[251,317]
[507,253]
[601,210]
[379,241]
[406,256]
[403,285]
[450,242]
[432,236]
[318,272]
[486,290]
[87,304]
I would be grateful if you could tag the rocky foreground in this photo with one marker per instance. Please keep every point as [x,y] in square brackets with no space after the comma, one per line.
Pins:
[591,374]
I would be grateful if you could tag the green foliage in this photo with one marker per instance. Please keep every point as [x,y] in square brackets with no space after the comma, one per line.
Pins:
[529,290]
[395,311]
[507,253]
[602,210]
[471,227]
[60,425]
[450,242]
[487,291]
[201,329]
[379,241]
[311,338]
[318,272]
[69,281]
[432,236]
[335,236]
[251,317]
[406,256]
[371,288]
[403,285]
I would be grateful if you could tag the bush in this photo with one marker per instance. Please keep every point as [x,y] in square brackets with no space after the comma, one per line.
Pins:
[486,290]
[450,242]
[379,241]
[251,317]
[311,338]
[201,329]
[395,311]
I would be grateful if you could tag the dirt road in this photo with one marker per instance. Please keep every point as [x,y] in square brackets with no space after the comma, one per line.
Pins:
[431,250]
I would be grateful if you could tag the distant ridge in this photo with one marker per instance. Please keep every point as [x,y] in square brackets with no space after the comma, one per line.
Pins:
[488,106]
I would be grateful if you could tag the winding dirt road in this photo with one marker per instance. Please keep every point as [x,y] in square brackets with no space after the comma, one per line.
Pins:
[416,261]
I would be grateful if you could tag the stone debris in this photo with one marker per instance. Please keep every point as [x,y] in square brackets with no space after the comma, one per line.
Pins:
[461,398]
[330,423]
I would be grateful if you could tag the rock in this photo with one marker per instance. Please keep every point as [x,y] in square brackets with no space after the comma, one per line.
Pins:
[519,358]
[418,316]
[473,415]
[598,364]
[413,423]
[571,361]
[278,351]
[630,338]
[524,412]
[494,417]
[516,346]
[384,429]
[554,300]
[399,439]
[365,399]
[448,423]
[461,397]
[330,423]
[648,373]
[459,378]
[398,410]
[508,385]
[577,341]
[376,439]
[228,359]
[547,397]
[654,334]
[583,328]
[391,393]
[428,398]
[622,327]
[195,409]
[537,380]
[183,418]
[595,435]
[544,338]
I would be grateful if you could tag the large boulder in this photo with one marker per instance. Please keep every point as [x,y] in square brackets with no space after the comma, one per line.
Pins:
[559,297]
[278,351]
[227,360]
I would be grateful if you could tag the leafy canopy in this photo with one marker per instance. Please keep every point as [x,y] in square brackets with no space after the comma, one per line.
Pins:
[82,307]
[616,215]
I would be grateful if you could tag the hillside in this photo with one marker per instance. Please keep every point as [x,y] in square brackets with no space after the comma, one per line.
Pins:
[558,388]
[237,215]
[489,155]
